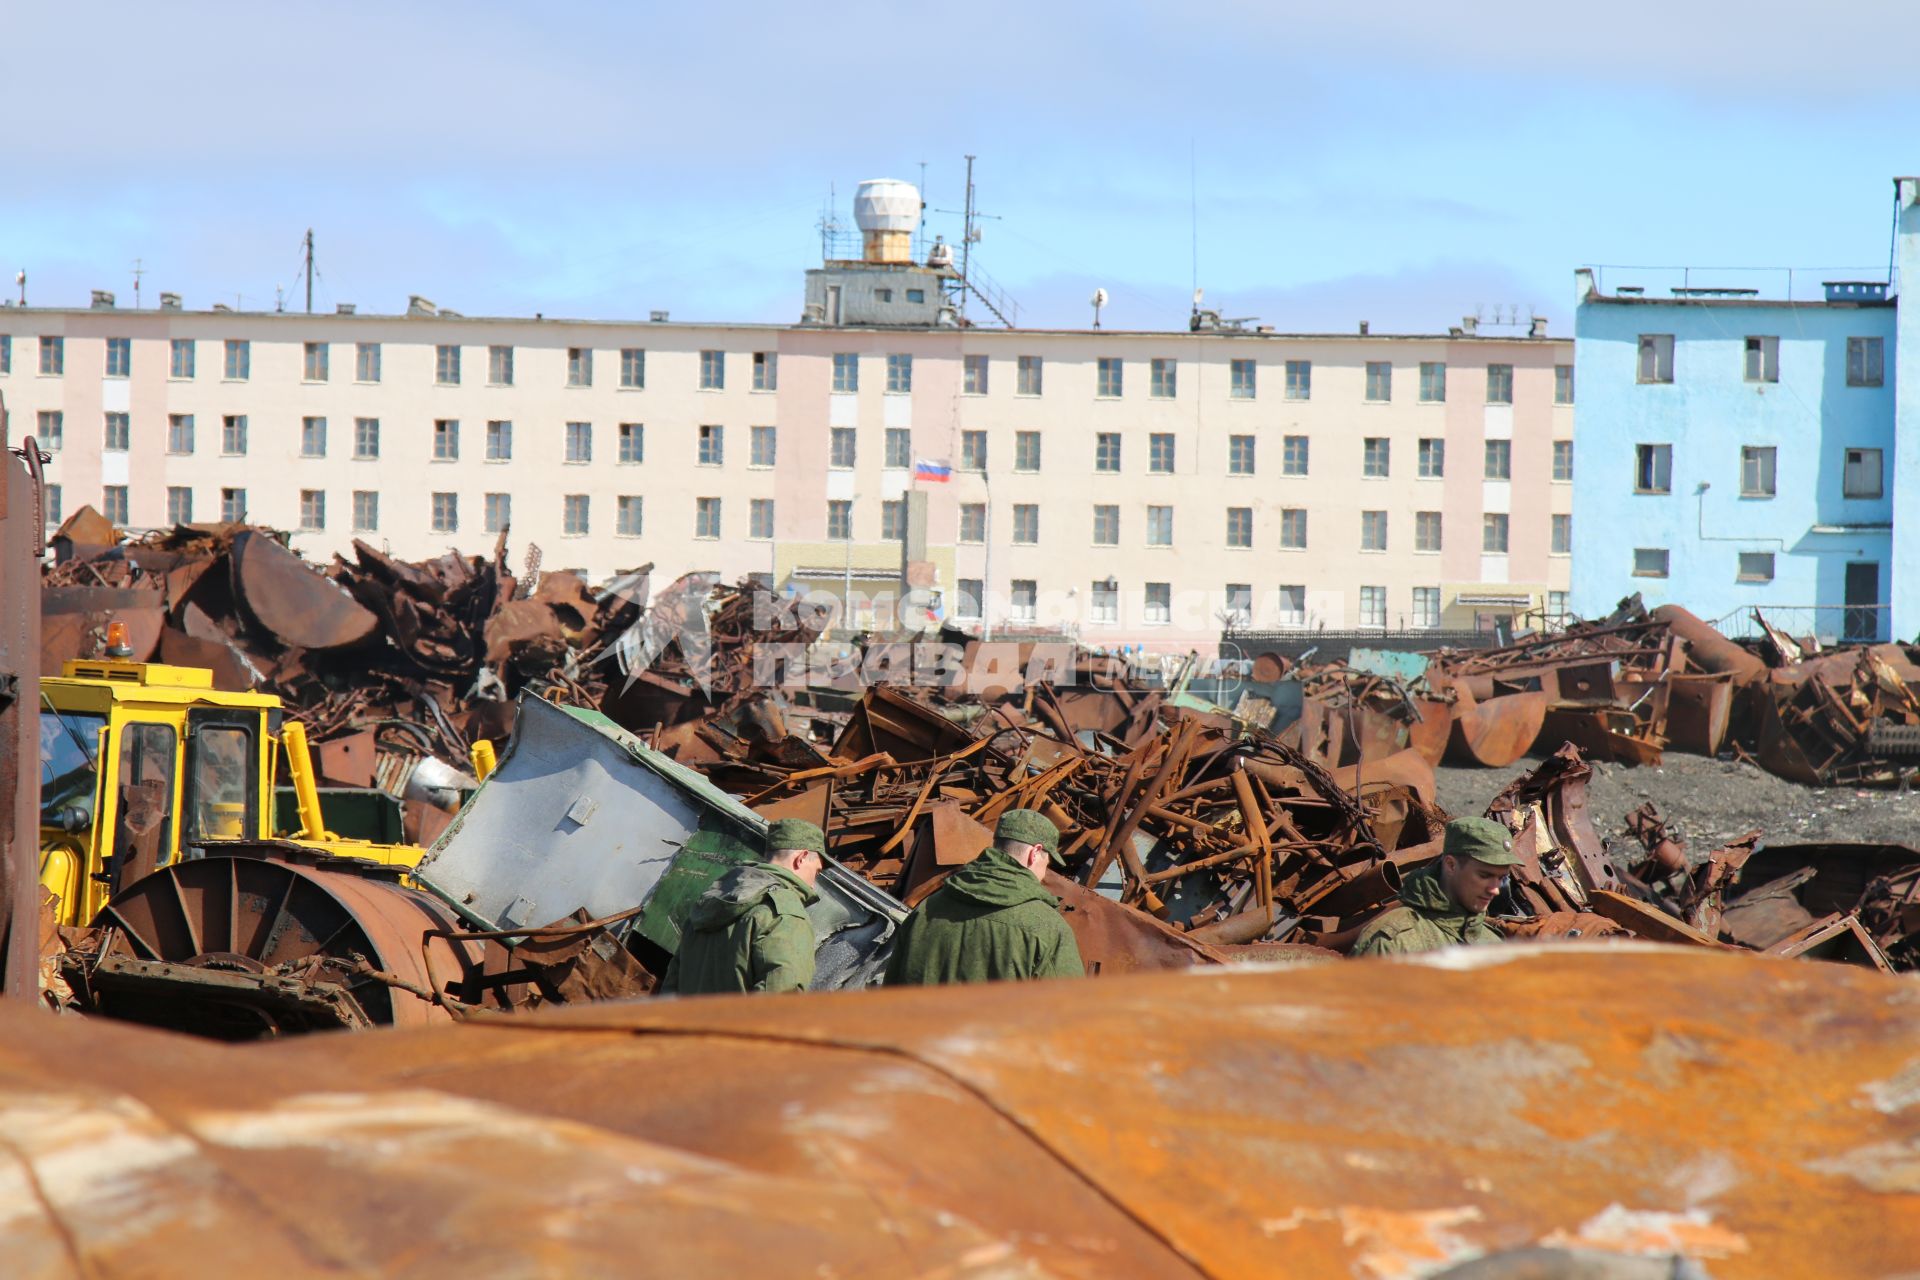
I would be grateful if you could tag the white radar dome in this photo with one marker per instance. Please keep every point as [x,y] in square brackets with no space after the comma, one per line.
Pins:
[886,204]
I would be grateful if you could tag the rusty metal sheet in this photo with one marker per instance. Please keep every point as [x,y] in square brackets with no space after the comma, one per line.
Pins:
[291,599]
[1496,732]
[1699,711]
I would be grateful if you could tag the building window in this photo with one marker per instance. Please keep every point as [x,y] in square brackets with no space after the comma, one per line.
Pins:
[1433,382]
[1649,562]
[973,451]
[6,353]
[52,505]
[1105,595]
[233,505]
[446,365]
[579,366]
[1239,455]
[893,520]
[233,435]
[1159,603]
[840,519]
[179,504]
[1240,379]
[1866,361]
[1027,376]
[1240,526]
[500,366]
[916,295]
[180,359]
[1861,475]
[1499,384]
[971,591]
[499,440]
[1108,373]
[1375,457]
[973,375]
[1373,531]
[1426,607]
[1756,471]
[1653,468]
[760,518]
[179,433]
[706,517]
[1239,604]
[846,371]
[883,295]
[1561,542]
[446,512]
[899,445]
[762,444]
[1106,452]
[1292,605]
[1293,456]
[1026,451]
[1379,381]
[1563,384]
[313,509]
[1493,533]
[633,443]
[313,437]
[1026,524]
[1426,531]
[1756,566]
[1433,458]
[1557,611]
[1763,359]
[119,433]
[113,503]
[53,356]
[1656,357]
[53,429]
[1299,379]
[1373,606]
[713,446]
[842,444]
[1159,526]
[366,438]
[239,360]
[446,440]
[1026,595]
[119,357]
[973,522]
[496,512]
[1293,528]
[766,371]
[366,362]
[366,511]
[579,442]
[1160,453]
[1499,460]
[1106,525]
[315,362]
[628,514]
[1563,460]
[899,374]
[574,515]
[713,370]
[1165,381]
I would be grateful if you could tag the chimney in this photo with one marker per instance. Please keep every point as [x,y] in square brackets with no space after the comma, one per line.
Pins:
[1470,325]
[169,302]
[102,300]
[344,308]
[419,306]
[1538,329]
[1363,328]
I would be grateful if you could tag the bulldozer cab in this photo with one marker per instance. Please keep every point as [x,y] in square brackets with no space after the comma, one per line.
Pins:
[138,761]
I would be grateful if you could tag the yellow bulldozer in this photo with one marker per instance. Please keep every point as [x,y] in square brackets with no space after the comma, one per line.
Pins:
[142,761]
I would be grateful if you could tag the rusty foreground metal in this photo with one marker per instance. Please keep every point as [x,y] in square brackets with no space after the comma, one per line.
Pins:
[1378,1119]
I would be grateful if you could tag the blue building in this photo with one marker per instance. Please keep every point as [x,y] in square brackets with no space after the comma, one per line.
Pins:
[1735,451]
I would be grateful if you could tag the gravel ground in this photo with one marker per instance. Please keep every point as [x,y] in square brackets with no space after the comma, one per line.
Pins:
[1710,802]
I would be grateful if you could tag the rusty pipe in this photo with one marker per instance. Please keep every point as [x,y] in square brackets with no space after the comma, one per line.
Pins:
[1247,926]
[1708,648]
[1376,885]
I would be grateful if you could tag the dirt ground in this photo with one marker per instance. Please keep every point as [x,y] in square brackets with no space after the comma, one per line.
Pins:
[1711,802]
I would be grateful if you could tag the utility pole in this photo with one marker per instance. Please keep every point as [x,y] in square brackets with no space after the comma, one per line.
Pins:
[309,269]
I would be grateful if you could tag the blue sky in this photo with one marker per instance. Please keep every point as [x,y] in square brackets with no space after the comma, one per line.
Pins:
[1399,162]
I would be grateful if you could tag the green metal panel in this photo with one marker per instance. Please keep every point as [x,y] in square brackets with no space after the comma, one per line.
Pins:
[706,856]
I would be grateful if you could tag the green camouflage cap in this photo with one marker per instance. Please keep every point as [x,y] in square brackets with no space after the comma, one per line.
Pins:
[792,833]
[1483,840]
[1030,826]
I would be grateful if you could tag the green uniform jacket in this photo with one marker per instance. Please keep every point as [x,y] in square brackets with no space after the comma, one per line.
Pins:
[749,932]
[990,921]
[1426,920]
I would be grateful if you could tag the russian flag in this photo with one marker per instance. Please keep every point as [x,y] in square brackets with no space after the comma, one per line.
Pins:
[929,469]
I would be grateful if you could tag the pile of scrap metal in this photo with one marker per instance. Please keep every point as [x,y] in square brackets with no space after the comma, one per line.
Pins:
[1859,904]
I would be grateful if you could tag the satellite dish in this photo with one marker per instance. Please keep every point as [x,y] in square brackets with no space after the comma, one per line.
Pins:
[1197,294]
[1099,297]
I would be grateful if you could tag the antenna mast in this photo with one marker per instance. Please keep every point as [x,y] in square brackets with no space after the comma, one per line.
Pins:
[137,273]
[307,267]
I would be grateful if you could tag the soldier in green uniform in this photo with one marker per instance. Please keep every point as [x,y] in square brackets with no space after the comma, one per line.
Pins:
[1445,903]
[992,920]
[750,931]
